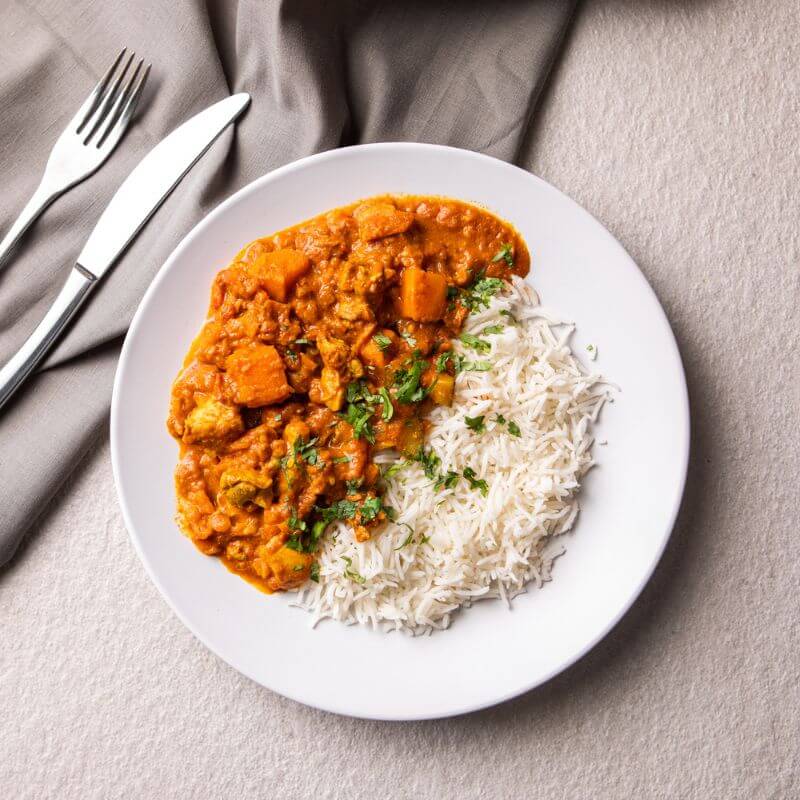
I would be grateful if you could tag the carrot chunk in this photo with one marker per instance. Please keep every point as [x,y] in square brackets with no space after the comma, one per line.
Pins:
[423,295]
[279,271]
[257,376]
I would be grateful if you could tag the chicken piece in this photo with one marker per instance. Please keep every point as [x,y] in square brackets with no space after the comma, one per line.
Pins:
[353,308]
[331,389]
[334,352]
[211,421]
[423,295]
[257,376]
[379,219]
[279,271]
[241,486]
[301,373]
[289,568]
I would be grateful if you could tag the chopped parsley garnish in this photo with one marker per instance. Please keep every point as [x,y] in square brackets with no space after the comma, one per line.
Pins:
[510,316]
[383,341]
[513,428]
[296,524]
[465,365]
[481,292]
[351,487]
[410,340]
[350,573]
[470,340]
[430,463]
[370,508]
[406,380]
[305,451]
[388,408]
[500,419]
[442,359]
[474,483]
[447,481]
[361,405]
[393,469]
[475,424]
[314,575]
[342,460]
[407,540]
[490,329]
[505,253]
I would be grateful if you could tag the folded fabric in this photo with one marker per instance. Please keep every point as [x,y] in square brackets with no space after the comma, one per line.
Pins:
[321,75]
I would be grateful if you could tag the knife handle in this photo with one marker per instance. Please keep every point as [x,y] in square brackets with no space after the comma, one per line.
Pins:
[68,301]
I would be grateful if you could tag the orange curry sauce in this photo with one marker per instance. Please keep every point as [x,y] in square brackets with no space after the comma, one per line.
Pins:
[324,343]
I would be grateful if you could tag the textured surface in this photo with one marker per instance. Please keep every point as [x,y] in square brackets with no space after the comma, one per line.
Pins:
[676,123]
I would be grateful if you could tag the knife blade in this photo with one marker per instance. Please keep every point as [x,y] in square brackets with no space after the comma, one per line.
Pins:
[132,205]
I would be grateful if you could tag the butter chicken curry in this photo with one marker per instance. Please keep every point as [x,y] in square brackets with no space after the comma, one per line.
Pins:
[325,343]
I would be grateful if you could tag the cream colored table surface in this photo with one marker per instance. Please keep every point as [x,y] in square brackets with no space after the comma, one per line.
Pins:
[676,124]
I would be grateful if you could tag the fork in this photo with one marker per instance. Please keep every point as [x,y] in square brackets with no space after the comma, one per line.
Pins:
[86,142]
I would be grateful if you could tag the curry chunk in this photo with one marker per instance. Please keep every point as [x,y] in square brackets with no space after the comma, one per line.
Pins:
[289,567]
[257,376]
[376,220]
[423,295]
[442,389]
[279,271]
[211,421]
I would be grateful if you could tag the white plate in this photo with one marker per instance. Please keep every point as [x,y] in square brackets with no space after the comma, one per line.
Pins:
[490,653]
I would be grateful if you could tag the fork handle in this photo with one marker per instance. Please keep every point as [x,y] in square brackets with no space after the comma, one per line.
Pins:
[42,197]
[68,301]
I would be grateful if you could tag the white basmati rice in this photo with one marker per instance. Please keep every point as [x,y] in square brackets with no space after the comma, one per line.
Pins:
[466,546]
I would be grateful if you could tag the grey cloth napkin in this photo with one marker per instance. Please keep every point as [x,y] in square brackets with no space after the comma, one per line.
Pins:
[321,75]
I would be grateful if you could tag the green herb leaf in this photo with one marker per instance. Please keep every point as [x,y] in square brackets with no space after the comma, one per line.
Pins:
[470,340]
[464,365]
[314,572]
[481,292]
[342,460]
[408,388]
[474,483]
[370,508]
[447,481]
[430,463]
[513,428]
[510,316]
[505,253]
[490,329]
[393,469]
[408,538]
[410,340]
[295,523]
[351,574]
[305,450]
[388,408]
[442,359]
[383,341]
[341,509]
[475,423]
[500,419]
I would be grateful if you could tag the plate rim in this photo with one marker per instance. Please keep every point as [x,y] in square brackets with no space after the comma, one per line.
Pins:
[287,169]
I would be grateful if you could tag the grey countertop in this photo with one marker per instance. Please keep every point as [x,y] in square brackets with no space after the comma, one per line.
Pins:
[676,124]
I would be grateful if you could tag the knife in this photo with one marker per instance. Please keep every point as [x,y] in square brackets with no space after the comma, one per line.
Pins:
[143,191]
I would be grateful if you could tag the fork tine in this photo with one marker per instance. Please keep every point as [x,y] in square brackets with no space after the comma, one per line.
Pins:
[93,100]
[122,97]
[112,134]
[108,101]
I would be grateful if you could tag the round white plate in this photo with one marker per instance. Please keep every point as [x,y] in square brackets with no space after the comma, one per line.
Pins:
[489,654]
